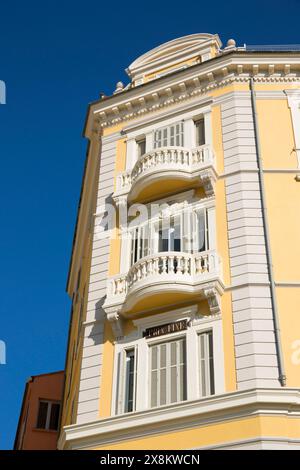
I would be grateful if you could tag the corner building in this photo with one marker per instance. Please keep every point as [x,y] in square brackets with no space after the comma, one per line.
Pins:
[185,330]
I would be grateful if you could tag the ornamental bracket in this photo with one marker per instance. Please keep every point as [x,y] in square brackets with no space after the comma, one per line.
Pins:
[213,297]
[116,323]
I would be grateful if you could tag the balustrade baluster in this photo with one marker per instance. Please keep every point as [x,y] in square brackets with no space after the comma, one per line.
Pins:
[171,264]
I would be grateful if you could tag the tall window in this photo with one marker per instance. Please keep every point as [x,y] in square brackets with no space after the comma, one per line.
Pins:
[140,243]
[129,380]
[141,147]
[170,235]
[169,136]
[48,415]
[207,383]
[200,132]
[186,231]
[168,372]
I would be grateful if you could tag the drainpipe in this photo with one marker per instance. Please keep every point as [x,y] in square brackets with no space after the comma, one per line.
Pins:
[282,377]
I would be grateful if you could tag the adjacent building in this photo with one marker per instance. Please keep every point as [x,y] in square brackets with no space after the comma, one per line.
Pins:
[40,411]
[184,275]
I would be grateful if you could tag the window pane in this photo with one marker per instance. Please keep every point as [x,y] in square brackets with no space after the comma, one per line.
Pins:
[42,415]
[141,145]
[207,386]
[201,231]
[54,416]
[200,132]
[130,378]
[182,352]
[211,364]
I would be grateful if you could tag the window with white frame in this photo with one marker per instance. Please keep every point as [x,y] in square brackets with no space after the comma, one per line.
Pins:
[199,132]
[167,372]
[48,415]
[141,146]
[127,370]
[206,364]
[163,366]
[169,136]
[130,381]
[186,231]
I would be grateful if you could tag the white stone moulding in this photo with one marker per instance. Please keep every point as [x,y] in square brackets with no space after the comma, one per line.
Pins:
[166,272]
[178,163]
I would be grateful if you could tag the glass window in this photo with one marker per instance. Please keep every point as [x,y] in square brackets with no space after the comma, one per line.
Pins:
[48,415]
[42,415]
[186,232]
[200,132]
[207,383]
[141,147]
[129,380]
[168,372]
[54,416]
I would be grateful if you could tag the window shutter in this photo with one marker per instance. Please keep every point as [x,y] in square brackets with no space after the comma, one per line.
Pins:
[168,373]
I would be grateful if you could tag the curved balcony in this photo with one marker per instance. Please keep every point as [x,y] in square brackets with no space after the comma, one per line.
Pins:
[164,279]
[177,167]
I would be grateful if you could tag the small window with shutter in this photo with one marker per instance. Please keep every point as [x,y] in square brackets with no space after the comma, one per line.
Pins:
[168,372]
[171,136]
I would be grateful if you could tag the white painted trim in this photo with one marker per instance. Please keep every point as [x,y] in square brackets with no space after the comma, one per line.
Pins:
[197,324]
[187,415]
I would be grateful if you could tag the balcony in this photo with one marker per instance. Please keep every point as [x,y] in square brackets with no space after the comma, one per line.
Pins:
[164,279]
[177,168]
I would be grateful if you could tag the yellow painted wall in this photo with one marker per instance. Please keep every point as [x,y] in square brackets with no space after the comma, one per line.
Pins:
[210,434]
[188,63]
[283,209]
[276,134]
[107,372]
[288,299]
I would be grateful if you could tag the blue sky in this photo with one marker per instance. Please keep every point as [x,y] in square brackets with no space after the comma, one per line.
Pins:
[55,57]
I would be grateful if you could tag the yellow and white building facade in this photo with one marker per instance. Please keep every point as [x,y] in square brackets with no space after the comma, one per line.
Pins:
[184,276]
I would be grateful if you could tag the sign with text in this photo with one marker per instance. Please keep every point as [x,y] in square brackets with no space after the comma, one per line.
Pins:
[161,330]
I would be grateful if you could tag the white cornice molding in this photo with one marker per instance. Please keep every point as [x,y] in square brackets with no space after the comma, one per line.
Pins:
[281,401]
[193,81]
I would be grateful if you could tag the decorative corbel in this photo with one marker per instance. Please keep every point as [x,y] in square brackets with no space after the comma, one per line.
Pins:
[116,323]
[208,182]
[121,205]
[213,299]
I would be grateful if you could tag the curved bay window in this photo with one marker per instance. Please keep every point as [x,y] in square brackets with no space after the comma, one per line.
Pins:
[186,231]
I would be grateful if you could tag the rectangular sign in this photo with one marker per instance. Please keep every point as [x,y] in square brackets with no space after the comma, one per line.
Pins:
[165,329]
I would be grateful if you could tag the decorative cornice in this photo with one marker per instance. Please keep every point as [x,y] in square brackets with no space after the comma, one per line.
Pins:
[207,78]
[187,415]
